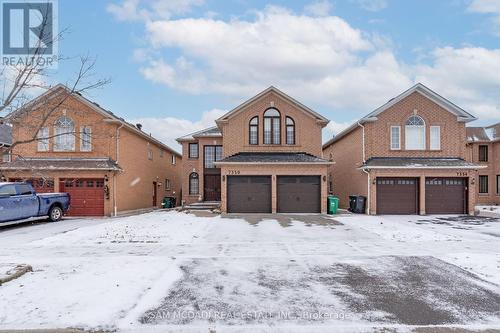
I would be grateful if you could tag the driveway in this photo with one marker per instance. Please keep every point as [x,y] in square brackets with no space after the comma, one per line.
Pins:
[169,271]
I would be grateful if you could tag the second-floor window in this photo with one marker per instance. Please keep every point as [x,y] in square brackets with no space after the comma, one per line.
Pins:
[415,133]
[85,138]
[290,131]
[64,132]
[212,154]
[193,150]
[272,127]
[483,153]
[43,139]
[435,137]
[253,130]
[395,137]
[174,159]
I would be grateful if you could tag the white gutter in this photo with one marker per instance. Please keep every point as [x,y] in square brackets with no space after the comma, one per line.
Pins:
[367,173]
[115,209]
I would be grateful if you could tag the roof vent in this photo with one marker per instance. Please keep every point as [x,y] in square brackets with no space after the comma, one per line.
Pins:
[139,126]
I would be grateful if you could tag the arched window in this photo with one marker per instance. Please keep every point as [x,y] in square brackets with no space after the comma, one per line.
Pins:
[290,131]
[64,132]
[253,130]
[415,133]
[194,184]
[272,127]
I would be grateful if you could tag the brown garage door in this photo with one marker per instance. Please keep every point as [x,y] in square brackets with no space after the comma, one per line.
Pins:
[445,195]
[299,194]
[87,196]
[397,196]
[249,194]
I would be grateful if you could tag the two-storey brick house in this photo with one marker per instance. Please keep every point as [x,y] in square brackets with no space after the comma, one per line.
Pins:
[409,156]
[484,149]
[263,156]
[106,164]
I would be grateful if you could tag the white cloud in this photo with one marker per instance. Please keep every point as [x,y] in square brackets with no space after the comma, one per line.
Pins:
[135,10]
[177,127]
[372,5]
[488,7]
[467,76]
[320,8]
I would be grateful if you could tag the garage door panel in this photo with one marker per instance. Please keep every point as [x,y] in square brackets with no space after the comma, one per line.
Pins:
[397,196]
[249,194]
[87,196]
[446,195]
[299,194]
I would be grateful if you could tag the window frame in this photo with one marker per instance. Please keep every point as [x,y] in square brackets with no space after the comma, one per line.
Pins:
[43,139]
[194,144]
[485,158]
[431,141]
[399,138]
[256,127]
[272,129]
[498,184]
[82,141]
[421,127]
[216,157]
[194,176]
[174,159]
[60,136]
[168,186]
[480,190]
[292,125]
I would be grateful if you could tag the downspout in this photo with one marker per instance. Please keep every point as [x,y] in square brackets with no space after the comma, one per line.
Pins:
[115,210]
[364,170]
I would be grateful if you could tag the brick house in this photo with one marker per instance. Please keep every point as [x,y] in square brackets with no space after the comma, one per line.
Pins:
[107,165]
[263,156]
[409,156]
[484,149]
[5,142]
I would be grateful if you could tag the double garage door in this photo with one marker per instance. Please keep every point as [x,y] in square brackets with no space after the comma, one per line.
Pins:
[401,195]
[252,194]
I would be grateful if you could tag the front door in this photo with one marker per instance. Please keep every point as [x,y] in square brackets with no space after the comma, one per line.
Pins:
[212,187]
[155,194]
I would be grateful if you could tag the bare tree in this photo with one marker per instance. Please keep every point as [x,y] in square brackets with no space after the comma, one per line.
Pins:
[21,81]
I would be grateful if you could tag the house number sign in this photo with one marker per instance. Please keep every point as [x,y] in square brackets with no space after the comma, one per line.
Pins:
[233,172]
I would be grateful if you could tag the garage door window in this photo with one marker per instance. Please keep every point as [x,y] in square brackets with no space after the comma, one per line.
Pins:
[483,184]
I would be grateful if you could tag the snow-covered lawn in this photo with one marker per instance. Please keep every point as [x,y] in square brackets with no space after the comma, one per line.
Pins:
[169,271]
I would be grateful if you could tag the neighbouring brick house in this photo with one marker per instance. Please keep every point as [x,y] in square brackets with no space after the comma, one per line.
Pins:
[263,156]
[409,156]
[5,142]
[484,149]
[106,164]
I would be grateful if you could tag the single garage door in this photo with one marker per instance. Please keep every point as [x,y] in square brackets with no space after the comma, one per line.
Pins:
[87,196]
[249,194]
[299,194]
[445,195]
[397,196]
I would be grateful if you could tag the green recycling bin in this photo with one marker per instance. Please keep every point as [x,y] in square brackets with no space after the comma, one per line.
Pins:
[168,202]
[333,204]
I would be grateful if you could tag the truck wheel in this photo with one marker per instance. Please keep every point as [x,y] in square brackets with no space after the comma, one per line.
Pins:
[55,214]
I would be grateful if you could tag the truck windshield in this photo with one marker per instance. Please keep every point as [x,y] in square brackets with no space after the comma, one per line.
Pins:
[8,190]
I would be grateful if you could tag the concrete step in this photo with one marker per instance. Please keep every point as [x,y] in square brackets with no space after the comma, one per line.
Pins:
[206,205]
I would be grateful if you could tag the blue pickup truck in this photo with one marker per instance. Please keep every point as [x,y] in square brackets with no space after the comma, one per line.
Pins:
[19,201]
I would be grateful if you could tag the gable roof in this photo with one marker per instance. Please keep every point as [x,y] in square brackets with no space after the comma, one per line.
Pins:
[207,132]
[59,88]
[462,115]
[278,92]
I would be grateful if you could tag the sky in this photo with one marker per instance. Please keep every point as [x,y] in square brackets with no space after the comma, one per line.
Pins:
[177,65]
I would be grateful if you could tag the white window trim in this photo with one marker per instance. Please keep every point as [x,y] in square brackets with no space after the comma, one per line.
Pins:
[406,139]
[43,140]
[399,138]
[438,146]
[82,148]
[174,158]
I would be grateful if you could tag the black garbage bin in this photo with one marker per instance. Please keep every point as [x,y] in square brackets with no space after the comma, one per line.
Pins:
[357,204]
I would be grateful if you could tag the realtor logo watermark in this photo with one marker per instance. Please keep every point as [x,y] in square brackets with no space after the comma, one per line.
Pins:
[29,33]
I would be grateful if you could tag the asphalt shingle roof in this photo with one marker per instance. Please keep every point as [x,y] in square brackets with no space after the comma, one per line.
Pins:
[273,158]
[106,164]
[417,162]
[212,131]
